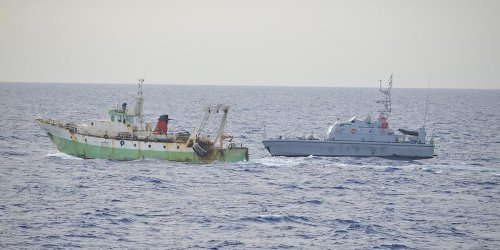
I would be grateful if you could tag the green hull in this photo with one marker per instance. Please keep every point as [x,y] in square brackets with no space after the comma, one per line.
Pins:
[87,151]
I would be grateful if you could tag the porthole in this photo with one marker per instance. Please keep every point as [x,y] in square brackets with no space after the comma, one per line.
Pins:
[164,146]
[149,146]
[177,147]
[135,144]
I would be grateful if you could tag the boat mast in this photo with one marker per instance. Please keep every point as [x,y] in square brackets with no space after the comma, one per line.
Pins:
[387,100]
[138,110]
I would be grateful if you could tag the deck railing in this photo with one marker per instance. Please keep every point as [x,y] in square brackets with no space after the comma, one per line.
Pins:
[73,128]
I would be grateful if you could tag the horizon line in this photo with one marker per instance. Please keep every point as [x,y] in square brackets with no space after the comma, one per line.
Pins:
[239,85]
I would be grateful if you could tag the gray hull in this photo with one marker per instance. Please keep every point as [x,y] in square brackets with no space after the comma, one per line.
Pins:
[346,148]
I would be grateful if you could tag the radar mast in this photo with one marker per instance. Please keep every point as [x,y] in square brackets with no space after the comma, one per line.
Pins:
[386,101]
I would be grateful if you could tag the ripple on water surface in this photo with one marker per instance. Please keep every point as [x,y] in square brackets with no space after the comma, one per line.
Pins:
[53,200]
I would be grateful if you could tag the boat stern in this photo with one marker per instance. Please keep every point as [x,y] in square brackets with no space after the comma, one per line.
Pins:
[235,154]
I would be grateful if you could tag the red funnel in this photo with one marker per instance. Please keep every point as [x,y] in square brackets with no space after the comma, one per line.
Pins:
[162,125]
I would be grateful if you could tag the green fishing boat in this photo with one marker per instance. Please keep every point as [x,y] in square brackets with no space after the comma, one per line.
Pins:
[126,136]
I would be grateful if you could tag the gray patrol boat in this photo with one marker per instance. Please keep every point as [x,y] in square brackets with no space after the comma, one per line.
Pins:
[359,137]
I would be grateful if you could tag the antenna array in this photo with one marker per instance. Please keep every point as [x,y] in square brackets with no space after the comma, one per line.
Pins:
[386,101]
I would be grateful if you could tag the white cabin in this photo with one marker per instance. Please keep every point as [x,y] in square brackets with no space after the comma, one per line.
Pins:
[370,131]
[362,130]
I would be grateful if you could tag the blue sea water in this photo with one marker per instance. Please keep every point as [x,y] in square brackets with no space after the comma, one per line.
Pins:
[52,200]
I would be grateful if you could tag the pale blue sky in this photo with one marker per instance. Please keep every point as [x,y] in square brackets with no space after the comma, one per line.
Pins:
[454,43]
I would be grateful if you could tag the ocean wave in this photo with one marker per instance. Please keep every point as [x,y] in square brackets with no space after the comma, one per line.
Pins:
[153,180]
[277,219]
[280,161]
[314,201]
[62,155]
[14,153]
[227,243]
[392,246]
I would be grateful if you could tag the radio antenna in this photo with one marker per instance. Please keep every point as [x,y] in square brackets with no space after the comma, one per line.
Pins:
[427,102]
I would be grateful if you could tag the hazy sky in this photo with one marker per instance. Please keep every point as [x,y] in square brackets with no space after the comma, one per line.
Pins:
[454,43]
